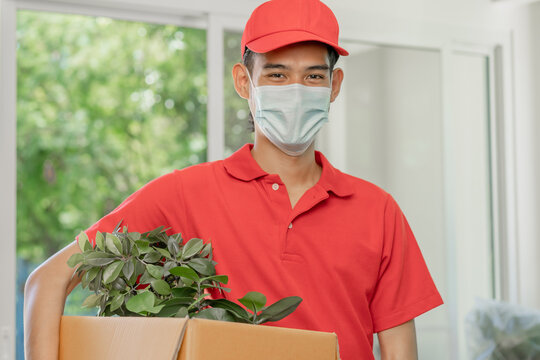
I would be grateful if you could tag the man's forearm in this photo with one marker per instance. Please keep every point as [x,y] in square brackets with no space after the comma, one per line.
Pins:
[399,343]
[44,298]
[43,308]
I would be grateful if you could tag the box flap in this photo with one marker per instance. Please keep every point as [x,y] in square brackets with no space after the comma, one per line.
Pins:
[210,340]
[113,338]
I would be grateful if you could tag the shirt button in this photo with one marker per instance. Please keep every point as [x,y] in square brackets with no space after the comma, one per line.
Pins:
[290,226]
[275,186]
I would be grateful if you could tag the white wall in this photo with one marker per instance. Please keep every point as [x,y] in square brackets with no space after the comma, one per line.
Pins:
[484,15]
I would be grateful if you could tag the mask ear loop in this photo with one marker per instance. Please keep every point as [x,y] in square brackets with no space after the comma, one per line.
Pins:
[331,78]
[251,101]
[249,77]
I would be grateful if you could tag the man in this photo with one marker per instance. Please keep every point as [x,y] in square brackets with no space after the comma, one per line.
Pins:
[281,219]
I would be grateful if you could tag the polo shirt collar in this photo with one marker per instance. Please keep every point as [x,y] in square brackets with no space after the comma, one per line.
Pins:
[242,166]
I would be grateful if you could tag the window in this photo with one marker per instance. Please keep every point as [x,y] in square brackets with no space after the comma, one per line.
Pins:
[103,107]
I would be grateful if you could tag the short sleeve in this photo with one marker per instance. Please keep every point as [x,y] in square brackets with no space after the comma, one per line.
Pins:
[151,206]
[404,287]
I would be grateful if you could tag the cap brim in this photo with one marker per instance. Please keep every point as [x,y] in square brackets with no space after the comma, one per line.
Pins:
[283,38]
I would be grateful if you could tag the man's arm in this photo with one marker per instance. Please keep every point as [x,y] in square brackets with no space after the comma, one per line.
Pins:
[45,294]
[399,342]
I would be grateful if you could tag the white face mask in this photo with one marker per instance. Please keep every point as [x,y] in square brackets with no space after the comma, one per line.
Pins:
[290,115]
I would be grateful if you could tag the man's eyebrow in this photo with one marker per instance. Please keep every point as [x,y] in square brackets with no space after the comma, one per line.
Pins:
[323,67]
[319,67]
[275,66]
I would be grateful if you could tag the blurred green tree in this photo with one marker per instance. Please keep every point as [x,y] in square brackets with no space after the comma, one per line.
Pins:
[103,107]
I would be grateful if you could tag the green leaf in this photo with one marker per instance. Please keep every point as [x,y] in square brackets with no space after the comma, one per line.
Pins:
[184,272]
[113,244]
[154,232]
[95,285]
[182,312]
[169,265]
[197,301]
[156,309]
[102,305]
[183,292]
[119,284]
[215,314]
[214,286]
[184,301]
[134,236]
[169,310]
[152,257]
[141,302]
[254,301]
[145,278]
[126,245]
[232,307]
[279,309]
[100,241]
[155,271]
[164,253]
[224,279]
[135,251]
[207,250]
[185,282]
[139,267]
[143,246]
[89,276]
[202,266]
[117,227]
[128,269]
[117,302]
[98,258]
[161,287]
[112,271]
[172,246]
[82,239]
[91,301]
[192,247]
[75,259]
[87,246]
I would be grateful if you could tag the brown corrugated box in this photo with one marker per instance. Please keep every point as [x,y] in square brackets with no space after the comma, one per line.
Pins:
[114,338]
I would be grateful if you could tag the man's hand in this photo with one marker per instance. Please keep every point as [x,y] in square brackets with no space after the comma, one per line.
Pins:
[399,342]
[44,297]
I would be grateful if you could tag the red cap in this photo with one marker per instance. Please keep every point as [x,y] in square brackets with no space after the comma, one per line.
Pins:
[277,23]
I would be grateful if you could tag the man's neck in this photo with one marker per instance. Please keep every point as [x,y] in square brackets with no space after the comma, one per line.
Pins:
[295,171]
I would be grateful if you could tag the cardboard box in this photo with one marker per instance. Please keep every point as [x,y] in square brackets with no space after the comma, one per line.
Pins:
[114,338]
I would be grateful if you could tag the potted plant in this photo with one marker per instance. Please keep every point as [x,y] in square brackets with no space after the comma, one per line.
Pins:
[155,274]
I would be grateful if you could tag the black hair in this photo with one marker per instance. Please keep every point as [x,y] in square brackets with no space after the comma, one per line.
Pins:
[249,61]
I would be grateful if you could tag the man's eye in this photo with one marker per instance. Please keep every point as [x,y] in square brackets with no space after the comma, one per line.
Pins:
[276,75]
[316,76]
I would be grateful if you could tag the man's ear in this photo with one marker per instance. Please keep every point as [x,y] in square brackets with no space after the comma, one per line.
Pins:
[241,80]
[337,79]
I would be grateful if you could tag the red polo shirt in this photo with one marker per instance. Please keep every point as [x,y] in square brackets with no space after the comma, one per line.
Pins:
[345,248]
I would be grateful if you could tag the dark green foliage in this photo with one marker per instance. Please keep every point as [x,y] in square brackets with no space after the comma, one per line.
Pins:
[154,274]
